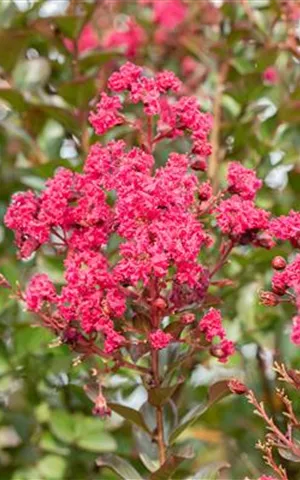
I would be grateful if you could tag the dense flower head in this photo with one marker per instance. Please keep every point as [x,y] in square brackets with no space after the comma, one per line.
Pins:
[128,36]
[159,339]
[242,181]
[107,114]
[287,228]
[295,335]
[149,216]
[159,96]
[289,278]
[211,326]
[169,14]
[241,219]
[40,289]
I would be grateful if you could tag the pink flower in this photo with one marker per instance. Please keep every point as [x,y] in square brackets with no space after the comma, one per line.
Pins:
[107,114]
[227,349]
[88,40]
[129,36]
[159,339]
[242,181]
[205,191]
[295,335]
[271,76]
[113,341]
[23,217]
[167,81]
[187,318]
[169,14]
[39,290]
[211,325]
[188,65]
[240,219]
[287,228]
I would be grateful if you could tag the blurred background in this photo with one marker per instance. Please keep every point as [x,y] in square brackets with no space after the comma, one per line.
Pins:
[242,60]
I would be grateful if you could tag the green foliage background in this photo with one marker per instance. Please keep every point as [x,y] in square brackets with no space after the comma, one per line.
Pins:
[47,431]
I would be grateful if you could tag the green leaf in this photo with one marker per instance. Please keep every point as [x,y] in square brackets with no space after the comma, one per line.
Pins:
[172,463]
[210,471]
[69,25]
[52,467]
[288,455]
[12,43]
[119,466]
[90,435]
[131,415]
[96,59]
[216,392]
[63,426]
[14,98]
[61,115]
[160,395]
[78,92]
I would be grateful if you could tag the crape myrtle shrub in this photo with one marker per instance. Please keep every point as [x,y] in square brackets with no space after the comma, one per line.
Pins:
[240,62]
[150,293]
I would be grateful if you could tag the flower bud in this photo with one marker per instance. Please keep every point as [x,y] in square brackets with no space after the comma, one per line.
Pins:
[279,289]
[160,303]
[205,191]
[278,263]
[3,282]
[101,409]
[216,351]
[269,299]
[199,165]
[237,387]
[265,240]
[187,318]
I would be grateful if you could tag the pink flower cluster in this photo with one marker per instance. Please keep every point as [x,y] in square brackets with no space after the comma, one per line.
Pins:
[159,339]
[174,117]
[242,181]
[287,228]
[88,40]
[154,215]
[129,36]
[287,283]
[211,326]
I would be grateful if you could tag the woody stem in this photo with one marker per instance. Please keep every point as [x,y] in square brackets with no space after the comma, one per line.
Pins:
[159,412]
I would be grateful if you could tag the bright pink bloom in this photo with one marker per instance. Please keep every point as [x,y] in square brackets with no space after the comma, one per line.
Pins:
[107,114]
[240,219]
[169,14]
[188,65]
[39,290]
[287,228]
[242,181]
[211,325]
[88,40]
[227,349]
[23,217]
[205,191]
[288,278]
[159,339]
[130,36]
[271,76]
[295,335]
[187,318]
